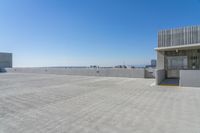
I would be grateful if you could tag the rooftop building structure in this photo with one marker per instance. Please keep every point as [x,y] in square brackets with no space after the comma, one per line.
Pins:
[178,55]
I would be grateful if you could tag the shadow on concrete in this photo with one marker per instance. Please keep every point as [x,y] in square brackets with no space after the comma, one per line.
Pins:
[170,82]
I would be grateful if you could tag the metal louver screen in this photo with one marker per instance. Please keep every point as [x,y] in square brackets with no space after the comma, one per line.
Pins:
[181,36]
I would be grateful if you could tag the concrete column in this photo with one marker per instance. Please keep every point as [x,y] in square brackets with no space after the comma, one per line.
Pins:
[160,69]
[160,60]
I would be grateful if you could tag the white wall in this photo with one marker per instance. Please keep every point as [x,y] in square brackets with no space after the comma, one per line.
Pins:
[190,78]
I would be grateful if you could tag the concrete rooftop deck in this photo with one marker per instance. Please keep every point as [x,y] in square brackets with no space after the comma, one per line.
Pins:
[38,103]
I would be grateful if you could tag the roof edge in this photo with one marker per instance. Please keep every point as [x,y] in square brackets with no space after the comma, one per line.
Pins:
[178,47]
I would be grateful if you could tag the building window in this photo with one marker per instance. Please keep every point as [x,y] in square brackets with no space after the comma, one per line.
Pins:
[177,62]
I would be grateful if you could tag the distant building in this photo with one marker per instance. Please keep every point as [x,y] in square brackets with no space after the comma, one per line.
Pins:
[5,60]
[94,66]
[121,66]
[153,63]
[178,55]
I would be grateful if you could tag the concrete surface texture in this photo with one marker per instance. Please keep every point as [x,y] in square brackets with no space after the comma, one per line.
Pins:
[190,78]
[40,103]
[160,76]
[160,60]
[5,60]
[102,72]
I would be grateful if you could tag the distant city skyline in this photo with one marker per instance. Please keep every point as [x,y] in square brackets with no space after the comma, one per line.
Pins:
[43,33]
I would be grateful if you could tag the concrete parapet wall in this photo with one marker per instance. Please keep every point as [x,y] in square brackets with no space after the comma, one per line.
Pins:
[150,73]
[160,76]
[104,72]
[190,78]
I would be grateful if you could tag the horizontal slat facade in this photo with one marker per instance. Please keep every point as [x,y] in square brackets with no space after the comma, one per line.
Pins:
[181,36]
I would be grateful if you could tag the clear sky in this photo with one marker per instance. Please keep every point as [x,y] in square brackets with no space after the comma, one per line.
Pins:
[89,32]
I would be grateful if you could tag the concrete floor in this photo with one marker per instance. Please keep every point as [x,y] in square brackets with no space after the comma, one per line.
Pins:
[36,103]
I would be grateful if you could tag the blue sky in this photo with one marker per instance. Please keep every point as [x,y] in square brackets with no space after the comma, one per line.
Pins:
[89,32]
